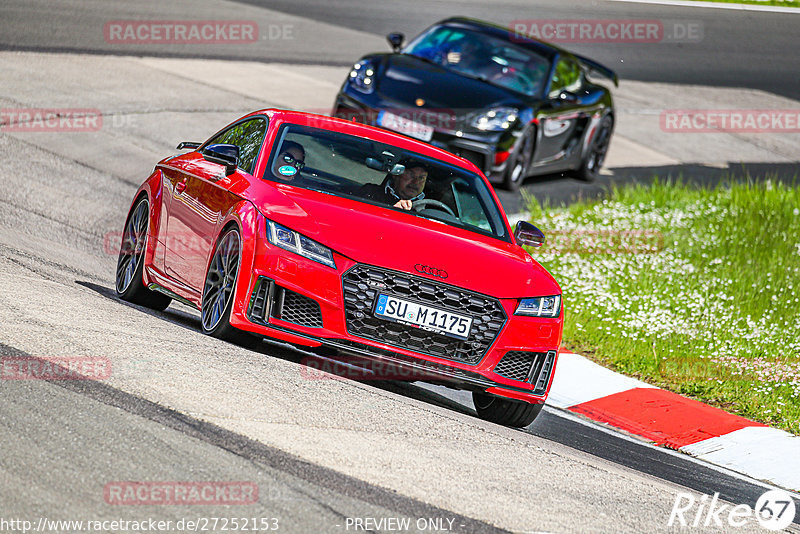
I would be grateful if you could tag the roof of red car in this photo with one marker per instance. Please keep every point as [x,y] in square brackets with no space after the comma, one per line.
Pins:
[363,130]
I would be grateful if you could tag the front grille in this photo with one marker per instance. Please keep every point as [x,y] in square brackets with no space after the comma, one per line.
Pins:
[534,367]
[270,299]
[363,283]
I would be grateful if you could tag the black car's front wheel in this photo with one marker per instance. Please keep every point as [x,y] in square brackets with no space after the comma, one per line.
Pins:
[596,155]
[220,284]
[519,163]
[130,264]
[505,412]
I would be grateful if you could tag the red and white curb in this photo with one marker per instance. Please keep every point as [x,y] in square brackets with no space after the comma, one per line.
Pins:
[668,419]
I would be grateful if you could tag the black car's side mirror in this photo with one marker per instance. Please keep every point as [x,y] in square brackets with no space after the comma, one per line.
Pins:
[528,234]
[227,155]
[396,40]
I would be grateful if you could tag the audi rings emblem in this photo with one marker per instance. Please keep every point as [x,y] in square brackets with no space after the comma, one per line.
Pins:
[431,271]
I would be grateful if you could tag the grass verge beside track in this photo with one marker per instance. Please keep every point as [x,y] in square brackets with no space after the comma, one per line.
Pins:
[692,290]
[781,3]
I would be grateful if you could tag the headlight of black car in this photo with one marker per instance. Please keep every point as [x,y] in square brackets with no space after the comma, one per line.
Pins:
[288,239]
[496,120]
[362,77]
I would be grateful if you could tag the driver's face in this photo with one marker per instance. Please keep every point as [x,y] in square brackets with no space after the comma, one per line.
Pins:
[410,183]
[295,154]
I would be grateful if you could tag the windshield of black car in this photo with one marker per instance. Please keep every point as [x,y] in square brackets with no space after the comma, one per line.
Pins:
[483,57]
[378,173]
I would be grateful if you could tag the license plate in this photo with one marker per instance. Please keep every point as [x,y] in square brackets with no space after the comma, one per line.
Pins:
[421,316]
[405,126]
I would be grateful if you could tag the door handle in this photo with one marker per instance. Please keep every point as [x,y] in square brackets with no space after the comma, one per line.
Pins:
[180,187]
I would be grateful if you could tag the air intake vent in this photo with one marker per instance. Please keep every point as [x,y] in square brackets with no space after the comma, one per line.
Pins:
[269,300]
[533,367]
[297,309]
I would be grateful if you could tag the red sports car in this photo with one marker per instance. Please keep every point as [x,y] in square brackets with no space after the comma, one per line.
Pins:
[366,244]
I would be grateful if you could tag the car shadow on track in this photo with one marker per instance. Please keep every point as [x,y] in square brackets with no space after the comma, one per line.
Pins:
[173,314]
[181,315]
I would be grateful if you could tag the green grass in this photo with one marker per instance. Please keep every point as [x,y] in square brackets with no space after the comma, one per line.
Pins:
[709,309]
[781,3]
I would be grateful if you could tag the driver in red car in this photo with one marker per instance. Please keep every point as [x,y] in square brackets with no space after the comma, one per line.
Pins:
[399,190]
[290,161]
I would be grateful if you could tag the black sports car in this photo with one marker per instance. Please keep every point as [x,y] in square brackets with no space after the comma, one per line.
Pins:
[511,104]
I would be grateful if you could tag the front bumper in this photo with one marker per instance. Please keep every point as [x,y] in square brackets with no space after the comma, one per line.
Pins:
[293,299]
[479,148]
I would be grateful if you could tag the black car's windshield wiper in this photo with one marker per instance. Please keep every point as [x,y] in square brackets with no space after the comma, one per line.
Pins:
[480,78]
[426,60]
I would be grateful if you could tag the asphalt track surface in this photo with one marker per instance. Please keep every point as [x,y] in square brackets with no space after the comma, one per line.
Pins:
[734,49]
[180,406]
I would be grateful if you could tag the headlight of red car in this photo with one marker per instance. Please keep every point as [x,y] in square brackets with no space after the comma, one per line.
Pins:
[540,306]
[288,239]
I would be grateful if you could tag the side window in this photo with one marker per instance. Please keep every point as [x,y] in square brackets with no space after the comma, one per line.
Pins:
[248,136]
[567,77]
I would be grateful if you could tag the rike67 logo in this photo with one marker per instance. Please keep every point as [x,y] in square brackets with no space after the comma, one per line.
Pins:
[774,510]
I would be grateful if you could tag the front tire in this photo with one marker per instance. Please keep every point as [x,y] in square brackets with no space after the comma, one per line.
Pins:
[519,163]
[593,160]
[220,286]
[130,264]
[504,411]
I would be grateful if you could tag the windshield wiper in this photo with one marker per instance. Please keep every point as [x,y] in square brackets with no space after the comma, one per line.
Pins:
[480,78]
[426,60]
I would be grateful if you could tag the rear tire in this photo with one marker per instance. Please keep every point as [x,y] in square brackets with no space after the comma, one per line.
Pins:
[130,264]
[505,412]
[220,286]
[593,161]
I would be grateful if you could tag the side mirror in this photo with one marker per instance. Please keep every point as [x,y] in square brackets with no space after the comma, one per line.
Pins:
[227,155]
[528,234]
[188,144]
[396,40]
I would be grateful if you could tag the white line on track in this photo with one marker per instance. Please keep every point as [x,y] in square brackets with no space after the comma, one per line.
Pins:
[715,5]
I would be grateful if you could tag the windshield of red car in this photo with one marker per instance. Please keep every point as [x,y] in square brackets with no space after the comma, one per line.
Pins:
[483,57]
[370,171]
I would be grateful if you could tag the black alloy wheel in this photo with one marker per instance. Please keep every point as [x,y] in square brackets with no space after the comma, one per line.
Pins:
[130,264]
[220,286]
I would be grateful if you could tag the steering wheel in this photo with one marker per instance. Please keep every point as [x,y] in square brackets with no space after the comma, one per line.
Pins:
[420,205]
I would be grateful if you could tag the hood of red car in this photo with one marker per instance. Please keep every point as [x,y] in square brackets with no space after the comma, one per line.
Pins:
[404,242]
